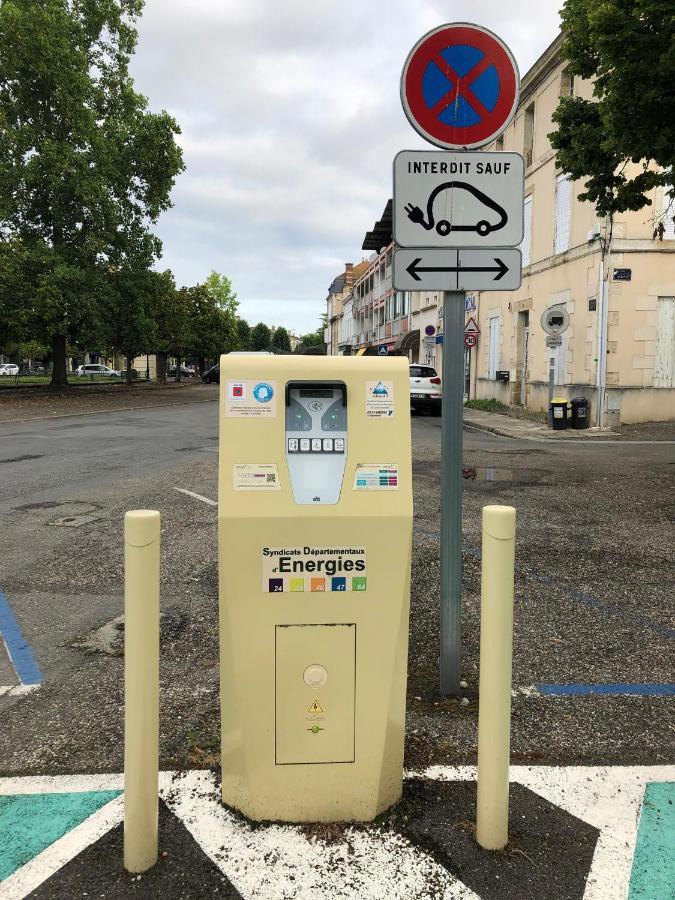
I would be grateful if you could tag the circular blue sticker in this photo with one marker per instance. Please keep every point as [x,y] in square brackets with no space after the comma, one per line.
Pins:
[263,392]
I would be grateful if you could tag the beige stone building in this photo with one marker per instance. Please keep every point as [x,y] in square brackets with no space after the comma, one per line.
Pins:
[621,303]
[621,308]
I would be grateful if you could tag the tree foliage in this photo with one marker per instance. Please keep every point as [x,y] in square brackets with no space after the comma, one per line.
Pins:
[281,340]
[244,334]
[85,167]
[219,288]
[627,47]
[261,337]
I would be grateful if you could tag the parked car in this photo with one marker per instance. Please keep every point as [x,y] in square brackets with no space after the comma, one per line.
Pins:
[9,369]
[425,389]
[98,370]
[184,372]
[212,375]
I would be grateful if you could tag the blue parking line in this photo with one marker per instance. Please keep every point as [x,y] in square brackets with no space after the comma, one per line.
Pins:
[18,649]
[581,690]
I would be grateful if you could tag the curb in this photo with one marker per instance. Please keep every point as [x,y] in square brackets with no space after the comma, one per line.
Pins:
[541,439]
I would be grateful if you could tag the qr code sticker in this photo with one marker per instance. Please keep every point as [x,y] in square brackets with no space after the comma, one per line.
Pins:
[271,477]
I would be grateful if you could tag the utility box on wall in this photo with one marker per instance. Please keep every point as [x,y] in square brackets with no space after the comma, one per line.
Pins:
[314,533]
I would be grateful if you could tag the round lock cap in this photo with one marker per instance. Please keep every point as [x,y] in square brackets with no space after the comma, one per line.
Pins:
[315,676]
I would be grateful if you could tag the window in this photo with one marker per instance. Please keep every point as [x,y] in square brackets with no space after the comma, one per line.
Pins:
[526,246]
[563,213]
[664,361]
[493,351]
[566,83]
[422,372]
[668,212]
[528,141]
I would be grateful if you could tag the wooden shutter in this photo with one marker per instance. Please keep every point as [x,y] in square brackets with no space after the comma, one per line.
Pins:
[526,246]
[563,213]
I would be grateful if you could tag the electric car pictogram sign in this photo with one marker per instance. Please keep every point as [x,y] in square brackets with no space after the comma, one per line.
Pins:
[458,199]
[460,86]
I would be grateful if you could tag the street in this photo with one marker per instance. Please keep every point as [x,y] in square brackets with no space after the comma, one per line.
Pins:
[593,591]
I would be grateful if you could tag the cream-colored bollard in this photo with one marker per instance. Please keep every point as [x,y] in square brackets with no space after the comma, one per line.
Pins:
[141,688]
[496,640]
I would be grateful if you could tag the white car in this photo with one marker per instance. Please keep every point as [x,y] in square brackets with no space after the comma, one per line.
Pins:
[425,389]
[9,369]
[97,369]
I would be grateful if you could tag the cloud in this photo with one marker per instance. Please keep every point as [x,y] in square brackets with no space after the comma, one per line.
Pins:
[290,118]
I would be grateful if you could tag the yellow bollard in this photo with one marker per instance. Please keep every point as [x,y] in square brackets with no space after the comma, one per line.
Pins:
[141,688]
[496,640]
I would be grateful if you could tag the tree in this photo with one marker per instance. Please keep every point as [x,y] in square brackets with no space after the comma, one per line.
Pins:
[212,329]
[129,312]
[316,338]
[170,316]
[281,340]
[244,333]
[220,288]
[84,166]
[261,337]
[628,48]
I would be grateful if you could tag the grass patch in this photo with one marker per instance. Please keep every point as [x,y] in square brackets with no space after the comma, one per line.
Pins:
[490,405]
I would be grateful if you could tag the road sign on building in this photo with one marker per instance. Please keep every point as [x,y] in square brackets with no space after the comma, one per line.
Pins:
[460,86]
[458,199]
[431,269]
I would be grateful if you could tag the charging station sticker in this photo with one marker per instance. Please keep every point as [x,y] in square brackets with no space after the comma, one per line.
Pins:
[256,477]
[379,399]
[255,399]
[313,569]
[376,477]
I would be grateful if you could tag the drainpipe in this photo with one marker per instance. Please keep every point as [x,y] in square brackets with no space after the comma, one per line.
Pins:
[603,302]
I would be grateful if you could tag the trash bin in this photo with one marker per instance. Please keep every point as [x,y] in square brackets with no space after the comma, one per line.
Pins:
[559,413]
[580,412]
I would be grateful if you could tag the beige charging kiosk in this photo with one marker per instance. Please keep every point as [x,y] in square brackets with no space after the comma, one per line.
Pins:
[314,535]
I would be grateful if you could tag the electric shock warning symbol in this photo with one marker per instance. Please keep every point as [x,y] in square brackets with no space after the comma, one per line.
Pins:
[315,708]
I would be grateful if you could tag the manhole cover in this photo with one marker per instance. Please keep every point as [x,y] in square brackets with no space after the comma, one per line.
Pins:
[74,521]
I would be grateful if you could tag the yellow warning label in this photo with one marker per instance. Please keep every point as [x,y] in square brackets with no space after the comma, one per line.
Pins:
[315,707]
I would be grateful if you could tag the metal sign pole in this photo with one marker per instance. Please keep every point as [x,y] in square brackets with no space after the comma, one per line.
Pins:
[451,491]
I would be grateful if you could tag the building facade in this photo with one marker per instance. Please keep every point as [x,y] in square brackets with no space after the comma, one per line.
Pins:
[616,283]
[621,302]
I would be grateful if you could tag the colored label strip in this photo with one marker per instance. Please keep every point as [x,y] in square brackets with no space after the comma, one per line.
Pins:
[18,649]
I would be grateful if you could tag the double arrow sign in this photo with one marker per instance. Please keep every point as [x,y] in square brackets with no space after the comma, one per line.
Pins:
[456,269]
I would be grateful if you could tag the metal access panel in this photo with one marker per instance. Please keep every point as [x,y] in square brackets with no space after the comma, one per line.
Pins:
[315,693]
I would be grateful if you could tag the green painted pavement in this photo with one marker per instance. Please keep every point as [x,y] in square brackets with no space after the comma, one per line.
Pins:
[653,873]
[29,823]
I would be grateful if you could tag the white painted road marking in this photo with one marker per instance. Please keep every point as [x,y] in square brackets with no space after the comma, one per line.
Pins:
[196,496]
[268,861]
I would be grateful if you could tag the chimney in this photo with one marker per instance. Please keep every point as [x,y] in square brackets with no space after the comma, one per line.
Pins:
[349,274]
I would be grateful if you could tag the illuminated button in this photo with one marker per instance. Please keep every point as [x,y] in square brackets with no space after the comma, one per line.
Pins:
[328,445]
[315,676]
[316,445]
[304,445]
[339,445]
[292,445]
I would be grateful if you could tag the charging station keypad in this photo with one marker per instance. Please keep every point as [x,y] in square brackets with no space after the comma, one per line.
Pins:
[316,439]
[316,445]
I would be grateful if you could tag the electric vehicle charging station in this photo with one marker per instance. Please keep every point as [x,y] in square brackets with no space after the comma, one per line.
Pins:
[314,534]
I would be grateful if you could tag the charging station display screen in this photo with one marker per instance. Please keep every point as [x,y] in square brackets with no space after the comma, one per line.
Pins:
[316,394]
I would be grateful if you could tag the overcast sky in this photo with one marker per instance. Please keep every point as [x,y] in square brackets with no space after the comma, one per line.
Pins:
[290,118]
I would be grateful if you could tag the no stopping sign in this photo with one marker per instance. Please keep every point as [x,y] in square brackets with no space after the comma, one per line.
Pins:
[460,86]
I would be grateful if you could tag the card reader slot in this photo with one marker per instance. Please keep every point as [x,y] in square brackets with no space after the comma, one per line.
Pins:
[317,386]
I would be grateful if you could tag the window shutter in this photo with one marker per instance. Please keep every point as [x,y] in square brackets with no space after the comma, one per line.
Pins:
[668,211]
[563,213]
[526,246]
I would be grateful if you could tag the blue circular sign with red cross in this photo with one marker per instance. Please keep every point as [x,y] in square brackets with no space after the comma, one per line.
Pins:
[460,86]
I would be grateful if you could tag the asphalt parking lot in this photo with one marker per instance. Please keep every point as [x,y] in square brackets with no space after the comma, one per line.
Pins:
[593,592]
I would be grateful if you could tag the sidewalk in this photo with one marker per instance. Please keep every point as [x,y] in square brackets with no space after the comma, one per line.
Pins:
[524,429]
